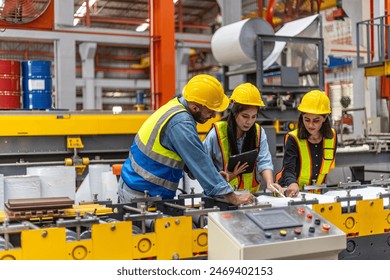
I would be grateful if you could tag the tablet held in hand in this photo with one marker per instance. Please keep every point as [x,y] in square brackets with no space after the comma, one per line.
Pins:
[249,157]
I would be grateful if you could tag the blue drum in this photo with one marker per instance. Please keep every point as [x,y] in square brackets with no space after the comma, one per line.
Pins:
[36,84]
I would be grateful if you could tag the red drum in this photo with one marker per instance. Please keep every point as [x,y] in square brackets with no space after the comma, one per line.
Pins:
[10,84]
[10,67]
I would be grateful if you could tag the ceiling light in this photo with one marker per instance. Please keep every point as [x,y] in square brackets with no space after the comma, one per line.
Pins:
[142,27]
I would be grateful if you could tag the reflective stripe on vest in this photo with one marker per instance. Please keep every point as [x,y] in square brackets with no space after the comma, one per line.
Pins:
[243,181]
[305,158]
[165,166]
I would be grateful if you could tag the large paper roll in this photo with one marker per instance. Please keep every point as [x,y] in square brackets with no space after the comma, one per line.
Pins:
[23,186]
[56,181]
[95,179]
[307,25]
[235,43]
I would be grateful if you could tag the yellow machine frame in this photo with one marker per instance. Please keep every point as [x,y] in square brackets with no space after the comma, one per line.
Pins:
[369,218]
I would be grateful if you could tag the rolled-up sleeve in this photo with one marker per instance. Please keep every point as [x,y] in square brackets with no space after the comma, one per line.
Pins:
[264,159]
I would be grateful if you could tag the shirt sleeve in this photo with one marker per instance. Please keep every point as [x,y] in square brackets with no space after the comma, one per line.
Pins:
[211,146]
[182,137]
[290,162]
[264,159]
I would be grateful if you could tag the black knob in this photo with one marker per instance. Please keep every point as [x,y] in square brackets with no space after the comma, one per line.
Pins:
[317,221]
[312,229]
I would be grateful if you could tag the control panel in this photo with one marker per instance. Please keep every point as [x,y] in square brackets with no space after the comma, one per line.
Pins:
[293,232]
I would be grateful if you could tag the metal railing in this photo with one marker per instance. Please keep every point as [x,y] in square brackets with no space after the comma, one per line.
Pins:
[375,35]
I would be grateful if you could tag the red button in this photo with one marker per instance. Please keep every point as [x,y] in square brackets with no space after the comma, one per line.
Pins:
[297,231]
[301,211]
[226,215]
[325,227]
[309,216]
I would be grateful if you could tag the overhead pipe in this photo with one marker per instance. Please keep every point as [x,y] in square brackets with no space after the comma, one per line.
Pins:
[260,4]
[116,20]
[270,12]
[119,57]
[180,25]
[372,40]
[87,14]
[116,70]
[180,15]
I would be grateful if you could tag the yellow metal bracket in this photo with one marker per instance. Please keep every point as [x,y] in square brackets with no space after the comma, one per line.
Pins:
[376,71]
[74,142]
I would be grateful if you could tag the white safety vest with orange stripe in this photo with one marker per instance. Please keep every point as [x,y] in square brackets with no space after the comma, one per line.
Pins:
[244,181]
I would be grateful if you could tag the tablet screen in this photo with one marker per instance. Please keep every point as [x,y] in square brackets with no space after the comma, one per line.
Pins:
[249,157]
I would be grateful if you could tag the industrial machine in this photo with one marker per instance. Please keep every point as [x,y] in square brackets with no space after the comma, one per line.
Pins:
[363,213]
[294,232]
[57,229]
[350,221]
[54,137]
[288,63]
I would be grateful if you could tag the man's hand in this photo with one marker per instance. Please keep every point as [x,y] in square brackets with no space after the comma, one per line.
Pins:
[237,199]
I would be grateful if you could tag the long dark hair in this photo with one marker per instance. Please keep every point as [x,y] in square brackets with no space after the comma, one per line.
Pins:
[325,130]
[250,139]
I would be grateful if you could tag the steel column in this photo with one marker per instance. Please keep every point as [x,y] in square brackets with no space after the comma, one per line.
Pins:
[162,51]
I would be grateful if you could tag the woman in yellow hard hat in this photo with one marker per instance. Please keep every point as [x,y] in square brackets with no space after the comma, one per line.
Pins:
[168,141]
[238,134]
[310,150]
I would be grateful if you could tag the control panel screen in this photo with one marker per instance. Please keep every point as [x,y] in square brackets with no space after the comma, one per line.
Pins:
[275,219]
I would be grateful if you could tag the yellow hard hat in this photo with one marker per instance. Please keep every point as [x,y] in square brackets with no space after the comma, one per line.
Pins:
[207,91]
[247,94]
[315,102]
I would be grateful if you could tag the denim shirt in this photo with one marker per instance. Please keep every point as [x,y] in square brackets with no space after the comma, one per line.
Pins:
[180,135]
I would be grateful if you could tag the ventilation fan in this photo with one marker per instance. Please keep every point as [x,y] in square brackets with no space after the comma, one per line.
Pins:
[22,11]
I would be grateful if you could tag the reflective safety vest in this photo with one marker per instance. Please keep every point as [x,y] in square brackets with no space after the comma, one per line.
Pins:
[244,181]
[155,165]
[328,159]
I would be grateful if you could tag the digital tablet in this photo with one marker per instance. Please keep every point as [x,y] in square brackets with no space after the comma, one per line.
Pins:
[249,157]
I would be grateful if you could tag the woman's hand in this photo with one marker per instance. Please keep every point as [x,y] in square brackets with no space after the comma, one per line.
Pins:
[276,186]
[238,169]
[292,190]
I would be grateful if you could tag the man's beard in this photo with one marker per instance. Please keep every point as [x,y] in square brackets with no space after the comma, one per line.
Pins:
[198,117]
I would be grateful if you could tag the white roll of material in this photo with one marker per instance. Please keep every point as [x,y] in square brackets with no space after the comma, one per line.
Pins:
[235,43]
[56,181]
[110,186]
[23,186]
[95,179]
[1,192]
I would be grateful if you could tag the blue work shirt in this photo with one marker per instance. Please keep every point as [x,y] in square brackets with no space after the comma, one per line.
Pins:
[180,135]
[264,159]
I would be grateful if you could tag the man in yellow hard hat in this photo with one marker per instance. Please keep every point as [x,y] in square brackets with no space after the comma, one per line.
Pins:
[309,152]
[240,133]
[168,141]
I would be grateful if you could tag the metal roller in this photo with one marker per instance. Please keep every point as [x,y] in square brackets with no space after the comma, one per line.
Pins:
[234,44]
